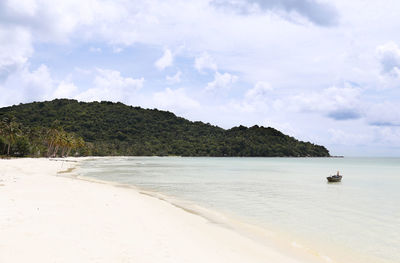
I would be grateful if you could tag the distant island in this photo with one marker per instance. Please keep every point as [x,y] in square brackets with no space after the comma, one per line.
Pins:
[63,126]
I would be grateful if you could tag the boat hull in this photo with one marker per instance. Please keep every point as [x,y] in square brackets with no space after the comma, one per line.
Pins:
[334,179]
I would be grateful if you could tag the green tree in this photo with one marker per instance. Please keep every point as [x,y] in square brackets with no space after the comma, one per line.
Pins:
[117,129]
[10,131]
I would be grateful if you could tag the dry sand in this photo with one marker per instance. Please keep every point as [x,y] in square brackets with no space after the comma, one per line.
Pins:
[45,217]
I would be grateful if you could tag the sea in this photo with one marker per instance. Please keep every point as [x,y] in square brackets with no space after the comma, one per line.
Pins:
[286,202]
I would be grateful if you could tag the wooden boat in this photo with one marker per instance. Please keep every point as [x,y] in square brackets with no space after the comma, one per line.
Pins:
[334,178]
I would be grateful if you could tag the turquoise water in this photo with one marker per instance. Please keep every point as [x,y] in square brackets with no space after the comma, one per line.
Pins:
[357,220]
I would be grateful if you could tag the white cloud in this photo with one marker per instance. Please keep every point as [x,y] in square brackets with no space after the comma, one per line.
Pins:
[175,78]
[371,139]
[264,40]
[221,81]
[32,85]
[39,81]
[260,91]
[341,137]
[110,85]
[389,56]
[383,114]
[339,103]
[240,107]
[24,7]
[111,79]
[165,61]
[389,136]
[95,49]
[205,61]
[175,99]
[117,49]
[38,85]
[65,90]
[57,21]
[256,100]
[15,49]
[320,13]
[83,71]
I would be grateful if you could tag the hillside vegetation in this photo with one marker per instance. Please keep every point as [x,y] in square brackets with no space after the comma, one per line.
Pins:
[116,129]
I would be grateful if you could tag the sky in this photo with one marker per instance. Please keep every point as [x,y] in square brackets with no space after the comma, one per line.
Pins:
[322,71]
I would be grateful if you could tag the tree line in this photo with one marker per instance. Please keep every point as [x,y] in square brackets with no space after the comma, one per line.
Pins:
[18,140]
[114,129]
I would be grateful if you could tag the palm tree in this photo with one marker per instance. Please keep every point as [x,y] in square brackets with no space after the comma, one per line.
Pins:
[2,133]
[79,143]
[65,142]
[58,141]
[72,142]
[53,138]
[10,130]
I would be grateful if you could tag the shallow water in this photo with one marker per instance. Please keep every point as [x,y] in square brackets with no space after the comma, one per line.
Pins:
[357,220]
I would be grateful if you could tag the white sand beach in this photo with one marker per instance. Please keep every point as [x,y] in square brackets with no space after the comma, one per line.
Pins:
[45,217]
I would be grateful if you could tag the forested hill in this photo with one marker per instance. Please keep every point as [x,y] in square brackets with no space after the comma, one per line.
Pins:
[117,129]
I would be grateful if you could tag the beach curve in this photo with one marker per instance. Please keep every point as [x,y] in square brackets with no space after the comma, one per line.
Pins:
[51,218]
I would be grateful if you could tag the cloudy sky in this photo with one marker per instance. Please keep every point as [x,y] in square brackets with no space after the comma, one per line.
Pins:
[322,71]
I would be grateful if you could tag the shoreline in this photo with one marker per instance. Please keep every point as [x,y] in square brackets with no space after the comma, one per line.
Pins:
[318,248]
[251,231]
[227,221]
[50,218]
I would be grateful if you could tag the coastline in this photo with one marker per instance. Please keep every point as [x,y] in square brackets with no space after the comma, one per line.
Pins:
[280,242]
[50,218]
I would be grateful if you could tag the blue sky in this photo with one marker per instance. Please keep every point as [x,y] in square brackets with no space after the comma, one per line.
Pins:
[323,71]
